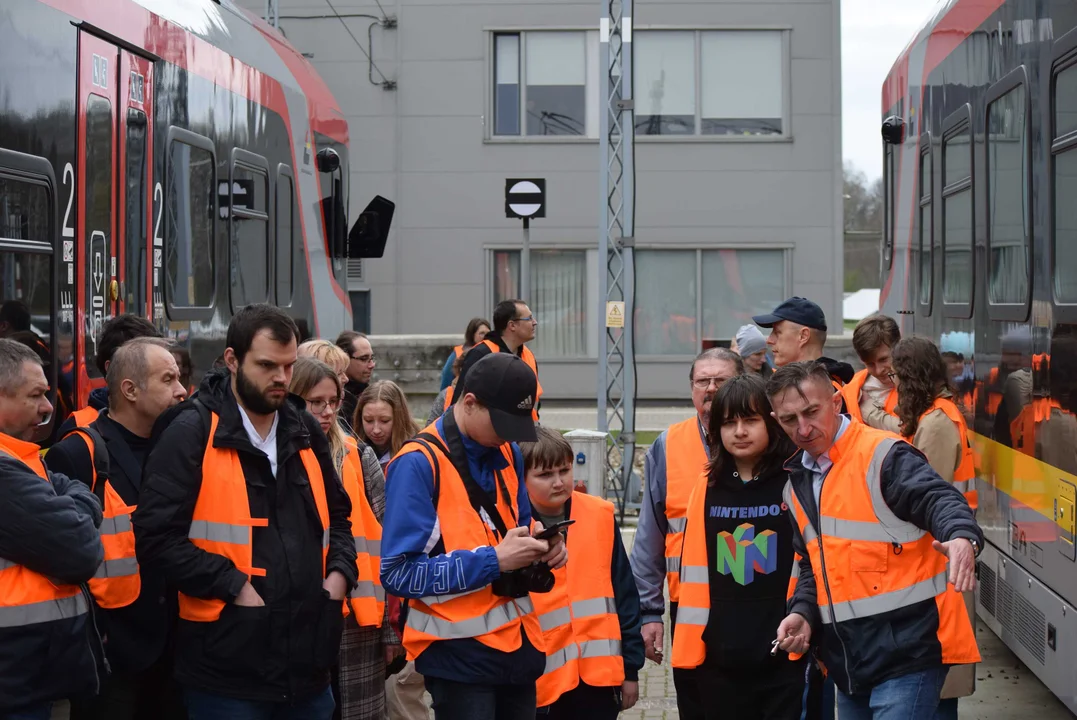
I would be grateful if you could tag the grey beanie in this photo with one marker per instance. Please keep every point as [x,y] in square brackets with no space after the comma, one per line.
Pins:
[750,341]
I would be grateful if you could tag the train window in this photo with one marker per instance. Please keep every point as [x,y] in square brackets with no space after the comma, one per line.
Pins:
[24,211]
[1064,185]
[135,203]
[190,224]
[957,228]
[926,227]
[285,236]
[1008,198]
[249,268]
[98,215]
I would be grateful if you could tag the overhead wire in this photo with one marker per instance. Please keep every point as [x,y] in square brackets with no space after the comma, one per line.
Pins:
[385,82]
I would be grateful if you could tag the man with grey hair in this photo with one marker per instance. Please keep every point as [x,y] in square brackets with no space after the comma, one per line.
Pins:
[108,456]
[49,546]
[672,466]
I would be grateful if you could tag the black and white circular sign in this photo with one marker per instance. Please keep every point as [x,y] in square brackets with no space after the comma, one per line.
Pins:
[525,198]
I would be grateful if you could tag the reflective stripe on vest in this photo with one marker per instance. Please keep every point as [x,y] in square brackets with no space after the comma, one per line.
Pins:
[367,599]
[872,571]
[965,473]
[222,524]
[27,597]
[693,612]
[581,633]
[528,357]
[490,619]
[117,582]
[686,458]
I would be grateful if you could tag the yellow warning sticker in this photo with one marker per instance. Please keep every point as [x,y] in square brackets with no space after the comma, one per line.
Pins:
[615,314]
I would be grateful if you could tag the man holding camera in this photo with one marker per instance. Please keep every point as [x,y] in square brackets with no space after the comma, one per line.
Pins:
[456,543]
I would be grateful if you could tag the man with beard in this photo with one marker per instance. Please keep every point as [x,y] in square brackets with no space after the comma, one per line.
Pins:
[243,513]
[673,465]
[133,608]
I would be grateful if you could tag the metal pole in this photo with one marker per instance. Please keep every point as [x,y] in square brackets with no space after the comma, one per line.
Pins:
[525,264]
[616,366]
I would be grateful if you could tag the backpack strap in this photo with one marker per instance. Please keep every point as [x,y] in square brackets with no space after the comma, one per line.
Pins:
[95,445]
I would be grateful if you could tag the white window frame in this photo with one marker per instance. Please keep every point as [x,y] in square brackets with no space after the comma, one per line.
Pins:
[593,75]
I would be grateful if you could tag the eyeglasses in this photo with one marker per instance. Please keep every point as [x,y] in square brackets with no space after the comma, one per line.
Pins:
[702,383]
[891,376]
[365,359]
[317,407]
[529,318]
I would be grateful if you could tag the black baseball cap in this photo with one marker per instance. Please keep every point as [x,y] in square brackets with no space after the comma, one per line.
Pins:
[796,310]
[507,387]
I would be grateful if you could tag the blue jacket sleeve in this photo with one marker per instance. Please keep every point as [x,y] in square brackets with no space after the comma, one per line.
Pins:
[446,371]
[627,599]
[649,549]
[916,494]
[411,530]
[523,502]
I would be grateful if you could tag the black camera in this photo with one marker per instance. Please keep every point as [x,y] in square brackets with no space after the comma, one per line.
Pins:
[537,578]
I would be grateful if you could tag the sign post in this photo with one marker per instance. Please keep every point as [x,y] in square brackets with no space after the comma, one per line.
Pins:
[525,199]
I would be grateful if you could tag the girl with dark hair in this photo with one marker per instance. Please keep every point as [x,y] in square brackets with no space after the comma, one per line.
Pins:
[475,333]
[737,566]
[931,421]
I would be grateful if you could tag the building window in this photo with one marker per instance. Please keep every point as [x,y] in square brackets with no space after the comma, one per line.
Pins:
[190,227]
[1008,197]
[926,227]
[710,82]
[690,296]
[957,217]
[545,84]
[559,298]
[1064,184]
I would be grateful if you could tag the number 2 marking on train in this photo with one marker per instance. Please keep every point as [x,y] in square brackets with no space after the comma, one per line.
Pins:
[158,197]
[69,230]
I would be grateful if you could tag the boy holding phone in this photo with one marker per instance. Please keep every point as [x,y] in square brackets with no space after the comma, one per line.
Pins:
[591,619]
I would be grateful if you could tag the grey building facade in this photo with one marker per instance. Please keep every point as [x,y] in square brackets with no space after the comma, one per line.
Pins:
[738,157]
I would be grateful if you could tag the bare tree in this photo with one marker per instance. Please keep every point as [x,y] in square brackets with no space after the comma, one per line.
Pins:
[863,201]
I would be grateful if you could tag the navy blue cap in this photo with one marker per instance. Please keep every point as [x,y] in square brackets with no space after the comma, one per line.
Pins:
[796,310]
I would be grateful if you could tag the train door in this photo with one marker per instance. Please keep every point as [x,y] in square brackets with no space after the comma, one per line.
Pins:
[96,285]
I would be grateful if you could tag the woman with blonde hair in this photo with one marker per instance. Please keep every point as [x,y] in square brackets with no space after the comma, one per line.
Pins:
[369,641]
[383,419]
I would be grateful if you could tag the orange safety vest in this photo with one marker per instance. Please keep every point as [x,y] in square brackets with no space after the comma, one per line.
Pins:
[493,620]
[876,563]
[448,397]
[851,393]
[117,582]
[368,598]
[693,613]
[222,522]
[528,357]
[965,475]
[84,416]
[27,597]
[458,350]
[578,618]
[686,458]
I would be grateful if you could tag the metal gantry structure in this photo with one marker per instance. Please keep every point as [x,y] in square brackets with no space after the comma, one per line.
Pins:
[617,179]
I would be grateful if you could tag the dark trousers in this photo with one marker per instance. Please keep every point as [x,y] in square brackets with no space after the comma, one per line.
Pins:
[206,706]
[466,701]
[584,702]
[818,694]
[148,695]
[754,694]
[689,698]
[41,711]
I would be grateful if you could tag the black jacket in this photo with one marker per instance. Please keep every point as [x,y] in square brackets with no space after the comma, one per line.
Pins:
[50,528]
[860,654]
[748,592]
[282,651]
[98,401]
[136,635]
[841,372]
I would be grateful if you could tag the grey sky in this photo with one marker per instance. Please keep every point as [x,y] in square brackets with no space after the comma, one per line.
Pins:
[873,34]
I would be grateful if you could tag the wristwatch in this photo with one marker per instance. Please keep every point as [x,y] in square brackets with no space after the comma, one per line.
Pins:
[975,548]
